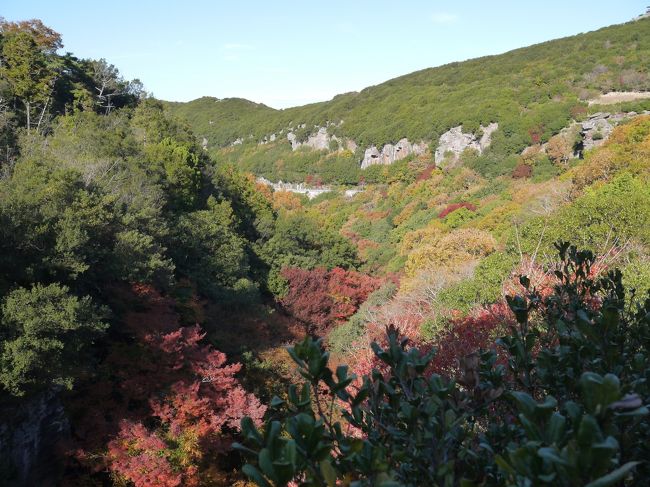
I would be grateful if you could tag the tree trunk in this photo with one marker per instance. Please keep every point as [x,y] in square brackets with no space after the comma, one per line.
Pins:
[38,126]
[27,109]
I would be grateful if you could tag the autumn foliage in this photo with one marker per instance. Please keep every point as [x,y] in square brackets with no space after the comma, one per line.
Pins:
[169,404]
[456,206]
[522,171]
[320,298]
[467,335]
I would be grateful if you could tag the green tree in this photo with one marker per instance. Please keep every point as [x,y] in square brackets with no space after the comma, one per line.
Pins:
[208,250]
[45,337]
[29,73]
[181,169]
[298,241]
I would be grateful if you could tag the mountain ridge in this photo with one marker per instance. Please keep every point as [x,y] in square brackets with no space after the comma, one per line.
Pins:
[424,104]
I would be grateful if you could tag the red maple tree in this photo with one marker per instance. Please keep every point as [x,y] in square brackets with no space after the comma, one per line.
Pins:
[167,402]
[321,299]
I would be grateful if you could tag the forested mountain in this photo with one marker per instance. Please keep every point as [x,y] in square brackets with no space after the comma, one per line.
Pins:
[531,92]
[151,285]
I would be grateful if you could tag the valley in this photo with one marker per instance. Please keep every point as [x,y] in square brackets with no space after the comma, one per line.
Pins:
[442,279]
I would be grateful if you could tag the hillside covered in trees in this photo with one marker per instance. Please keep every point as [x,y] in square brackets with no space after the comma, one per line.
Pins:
[484,319]
[531,92]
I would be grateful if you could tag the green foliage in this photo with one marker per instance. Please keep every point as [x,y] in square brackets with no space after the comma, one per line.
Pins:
[459,217]
[483,288]
[137,257]
[493,165]
[544,170]
[615,212]
[209,251]
[299,242]
[45,336]
[27,70]
[181,169]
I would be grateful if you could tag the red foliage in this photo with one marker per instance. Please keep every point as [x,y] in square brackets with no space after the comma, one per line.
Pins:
[578,111]
[136,455]
[456,206]
[312,180]
[467,335]
[535,134]
[161,390]
[376,215]
[321,298]
[426,173]
[522,171]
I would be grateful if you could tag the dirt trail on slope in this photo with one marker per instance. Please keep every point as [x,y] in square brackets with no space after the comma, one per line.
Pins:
[614,97]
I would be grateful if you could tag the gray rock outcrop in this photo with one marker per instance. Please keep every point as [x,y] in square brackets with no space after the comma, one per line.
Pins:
[28,441]
[453,142]
[599,126]
[293,140]
[320,140]
[390,153]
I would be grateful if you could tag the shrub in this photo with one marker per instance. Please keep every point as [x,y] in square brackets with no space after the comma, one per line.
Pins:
[522,171]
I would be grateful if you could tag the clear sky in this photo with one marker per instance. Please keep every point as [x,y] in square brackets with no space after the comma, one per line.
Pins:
[286,53]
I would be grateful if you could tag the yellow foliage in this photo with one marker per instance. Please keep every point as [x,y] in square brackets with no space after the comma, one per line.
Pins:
[286,200]
[531,154]
[406,213]
[449,250]
[499,220]
[428,235]
[559,149]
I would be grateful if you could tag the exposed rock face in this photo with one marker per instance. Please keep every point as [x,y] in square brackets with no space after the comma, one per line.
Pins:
[267,139]
[29,439]
[391,153]
[599,127]
[293,140]
[455,141]
[320,140]
[239,141]
[301,188]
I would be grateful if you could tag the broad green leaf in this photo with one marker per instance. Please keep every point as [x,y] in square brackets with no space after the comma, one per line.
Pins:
[614,477]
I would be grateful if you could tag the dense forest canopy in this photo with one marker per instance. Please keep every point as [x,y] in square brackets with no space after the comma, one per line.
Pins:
[485,322]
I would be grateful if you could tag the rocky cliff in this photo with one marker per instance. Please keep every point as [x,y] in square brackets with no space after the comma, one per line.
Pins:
[320,140]
[391,153]
[29,438]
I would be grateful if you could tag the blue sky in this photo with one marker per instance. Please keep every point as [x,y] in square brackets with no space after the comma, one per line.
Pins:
[286,53]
